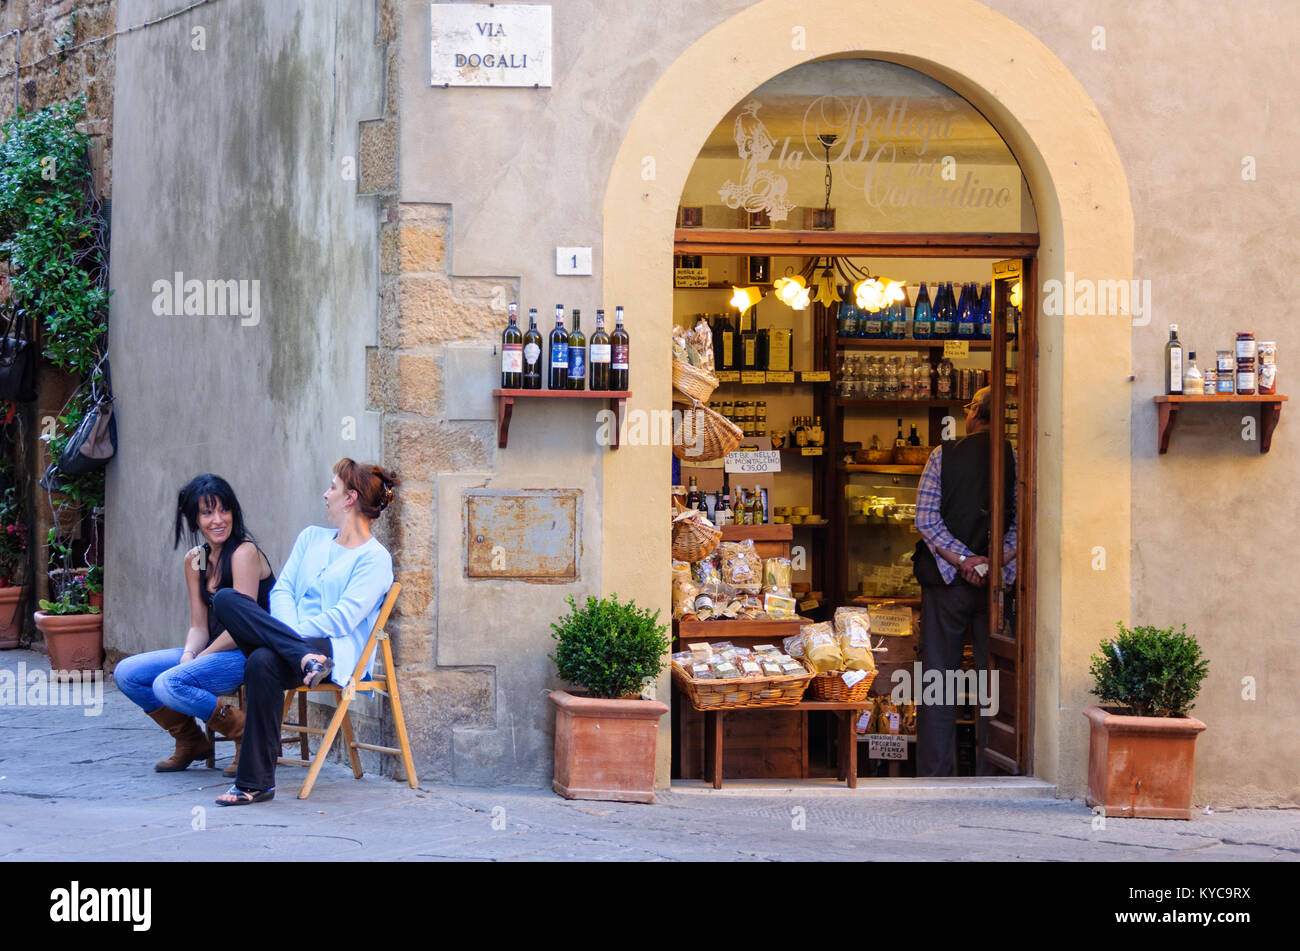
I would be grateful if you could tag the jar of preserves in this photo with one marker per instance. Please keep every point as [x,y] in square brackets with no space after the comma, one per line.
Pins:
[1267,385]
[1267,352]
[1225,363]
[1246,347]
[1245,379]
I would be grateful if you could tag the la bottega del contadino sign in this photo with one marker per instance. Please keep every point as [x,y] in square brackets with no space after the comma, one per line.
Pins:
[481,44]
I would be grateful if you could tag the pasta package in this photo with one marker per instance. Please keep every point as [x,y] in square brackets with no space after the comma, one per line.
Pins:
[740,566]
[822,648]
[681,570]
[776,576]
[684,594]
[701,345]
[794,644]
[778,606]
[705,571]
[681,345]
[853,625]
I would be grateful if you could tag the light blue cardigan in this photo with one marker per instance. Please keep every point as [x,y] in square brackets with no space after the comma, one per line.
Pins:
[326,590]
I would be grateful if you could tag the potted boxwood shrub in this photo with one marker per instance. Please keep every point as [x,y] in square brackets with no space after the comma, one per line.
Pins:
[605,740]
[1142,748]
[13,558]
[73,628]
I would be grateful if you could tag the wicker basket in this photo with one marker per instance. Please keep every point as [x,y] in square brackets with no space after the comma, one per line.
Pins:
[696,383]
[713,433]
[692,539]
[830,686]
[742,692]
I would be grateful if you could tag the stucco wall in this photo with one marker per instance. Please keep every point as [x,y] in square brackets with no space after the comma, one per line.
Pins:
[230,164]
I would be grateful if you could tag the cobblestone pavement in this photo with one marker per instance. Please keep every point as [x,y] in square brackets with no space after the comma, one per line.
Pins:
[76,787]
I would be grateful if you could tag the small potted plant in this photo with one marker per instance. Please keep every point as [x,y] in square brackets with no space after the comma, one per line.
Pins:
[13,558]
[73,627]
[605,740]
[1141,754]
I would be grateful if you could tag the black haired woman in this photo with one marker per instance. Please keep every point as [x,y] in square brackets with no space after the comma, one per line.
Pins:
[178,684]
[322,610]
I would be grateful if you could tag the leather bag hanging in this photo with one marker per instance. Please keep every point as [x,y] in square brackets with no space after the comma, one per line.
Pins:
[94,441]
[17,361]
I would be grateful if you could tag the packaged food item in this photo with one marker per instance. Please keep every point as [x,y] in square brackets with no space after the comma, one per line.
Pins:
[685,658]
[703,606]
[765,649]
[685,593]
[681,569]
[681,345]
[890,720]
[779,606]
[790,668]
[701,345]
[724,670]
[740,566]
[854,626]
[794,644]
[864,720]
[750,668]
[770,668]
[705,571]
[822,648]
[776,576]
[701,653]
[909,719]
[702,672]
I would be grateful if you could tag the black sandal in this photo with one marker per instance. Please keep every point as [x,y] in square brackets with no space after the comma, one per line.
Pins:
[246,797]
[316,671]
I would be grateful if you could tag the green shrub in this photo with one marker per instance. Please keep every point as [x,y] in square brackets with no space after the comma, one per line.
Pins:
[1149,671]
[612,649]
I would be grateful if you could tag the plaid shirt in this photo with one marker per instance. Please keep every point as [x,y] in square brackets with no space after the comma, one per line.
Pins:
[929,493]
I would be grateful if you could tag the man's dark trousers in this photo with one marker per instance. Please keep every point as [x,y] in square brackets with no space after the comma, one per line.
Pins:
[946,610]
[274,664]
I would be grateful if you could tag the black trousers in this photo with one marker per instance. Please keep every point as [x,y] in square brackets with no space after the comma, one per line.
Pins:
[274,664]
[946,611]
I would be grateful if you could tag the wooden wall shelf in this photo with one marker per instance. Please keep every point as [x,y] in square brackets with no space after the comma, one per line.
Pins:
[1270,411]
[878,343]
[884,469]
[506,404]
[759,533]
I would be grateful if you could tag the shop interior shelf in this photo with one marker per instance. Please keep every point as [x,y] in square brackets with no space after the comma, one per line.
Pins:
[841,401]
[884,469]
[759,533]
[506,403]
[726,630]
[879,343]
[1270,411]
[905,602]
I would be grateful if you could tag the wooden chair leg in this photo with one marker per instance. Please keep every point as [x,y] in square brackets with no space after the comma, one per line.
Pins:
[351,742]
[340,715]
[399,721]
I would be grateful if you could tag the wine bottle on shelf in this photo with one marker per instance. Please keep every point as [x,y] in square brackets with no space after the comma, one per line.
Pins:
[739,511]
[965,317]
[577,354]
[985,312]
[532,353]
[756,513]
[914,438]
[722,514]
[559,363]
[512,351]
[1173,364]
[599,354]
[922,316]
[899,440]
[693,495]
[943,313]
[619,345]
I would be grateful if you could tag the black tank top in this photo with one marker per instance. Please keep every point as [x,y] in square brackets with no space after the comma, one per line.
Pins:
[228,581]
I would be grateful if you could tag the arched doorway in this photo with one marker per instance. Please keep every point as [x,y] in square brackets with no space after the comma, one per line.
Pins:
[1085,223]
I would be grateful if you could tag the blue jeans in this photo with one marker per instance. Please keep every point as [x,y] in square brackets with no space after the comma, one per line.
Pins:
[154,680]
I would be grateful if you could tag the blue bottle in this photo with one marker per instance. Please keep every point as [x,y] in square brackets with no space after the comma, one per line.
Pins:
[986,313]
[847,322]
[922,317]
[966,314]
[872,324]
[898,318]
[943,312]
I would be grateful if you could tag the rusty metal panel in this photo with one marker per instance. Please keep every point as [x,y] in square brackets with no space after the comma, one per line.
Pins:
[531,535]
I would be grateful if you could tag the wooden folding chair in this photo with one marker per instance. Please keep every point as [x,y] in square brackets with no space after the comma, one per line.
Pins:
[344,697]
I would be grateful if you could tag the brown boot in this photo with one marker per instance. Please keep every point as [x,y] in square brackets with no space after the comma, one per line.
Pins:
[229,722]
[191,744]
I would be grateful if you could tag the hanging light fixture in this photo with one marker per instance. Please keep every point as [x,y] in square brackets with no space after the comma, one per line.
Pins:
[870,293]
[744,298]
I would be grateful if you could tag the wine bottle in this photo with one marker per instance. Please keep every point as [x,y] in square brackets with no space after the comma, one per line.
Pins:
[512,351]
[559,377]
[965,318]
[899,440]
[1173,364]
[724,351]
[756,513]
[693,495]
[922,317]
[943,313]
[599,354]
[722,514]
[914,438]
[619,343]
[532,353]
[577,354]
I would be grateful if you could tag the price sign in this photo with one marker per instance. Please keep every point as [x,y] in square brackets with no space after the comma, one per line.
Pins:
[816,376]
[753,376]
[727,376]
[780,376]
[811,451]
[753,462]
[691,277]
[956,349]
[891,622]
[885,746]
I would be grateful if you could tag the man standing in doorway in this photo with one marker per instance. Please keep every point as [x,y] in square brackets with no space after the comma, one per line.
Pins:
[953,517]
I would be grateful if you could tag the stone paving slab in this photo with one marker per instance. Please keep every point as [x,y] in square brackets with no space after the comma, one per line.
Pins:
[83,788]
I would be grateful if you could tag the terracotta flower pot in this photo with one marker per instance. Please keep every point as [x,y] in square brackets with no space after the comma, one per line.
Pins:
[605,749]
[10,623]
[74,641]
[1141,767]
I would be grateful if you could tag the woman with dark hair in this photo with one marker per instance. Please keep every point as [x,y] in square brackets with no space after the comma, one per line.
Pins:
[178,684]
[322,610]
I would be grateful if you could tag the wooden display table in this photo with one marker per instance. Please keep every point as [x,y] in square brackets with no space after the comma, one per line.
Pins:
[848,743]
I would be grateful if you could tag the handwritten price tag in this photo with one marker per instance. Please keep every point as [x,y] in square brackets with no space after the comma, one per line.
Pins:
[956,349]
[753,376]
[780,376]
[881,746]
[728,376]
[816,376]
[765,461]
